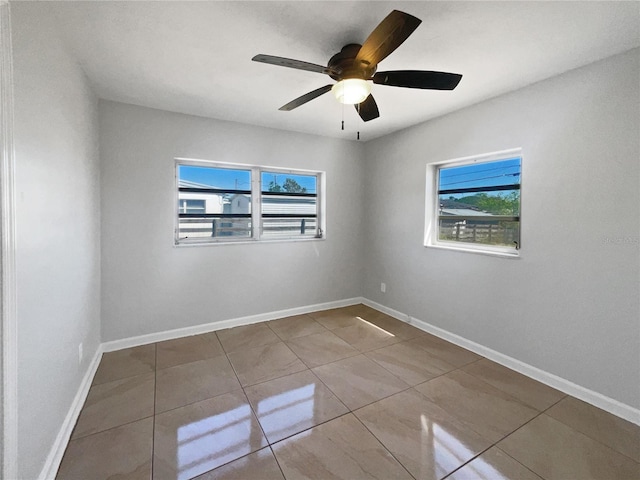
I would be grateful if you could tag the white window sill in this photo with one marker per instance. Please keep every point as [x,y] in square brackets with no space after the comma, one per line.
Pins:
[246,242]
[481,251]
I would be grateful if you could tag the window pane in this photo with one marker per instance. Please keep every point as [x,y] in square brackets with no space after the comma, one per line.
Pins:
[289,205]
[480,203]
[213,203]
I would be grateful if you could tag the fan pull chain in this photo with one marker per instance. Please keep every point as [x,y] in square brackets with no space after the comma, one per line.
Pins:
[343,116]
[358,135]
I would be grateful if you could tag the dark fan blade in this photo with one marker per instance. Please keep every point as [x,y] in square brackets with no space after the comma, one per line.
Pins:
[386,37]
[305,98]
[368,110]
[418,79]
[289,62]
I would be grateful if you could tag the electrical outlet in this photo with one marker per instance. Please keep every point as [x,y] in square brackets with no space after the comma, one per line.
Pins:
[383,287]
[80,353]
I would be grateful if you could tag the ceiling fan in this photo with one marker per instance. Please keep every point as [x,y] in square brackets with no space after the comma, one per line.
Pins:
[355,65]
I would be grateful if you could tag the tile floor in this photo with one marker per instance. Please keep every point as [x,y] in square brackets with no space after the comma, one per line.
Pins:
[345,393]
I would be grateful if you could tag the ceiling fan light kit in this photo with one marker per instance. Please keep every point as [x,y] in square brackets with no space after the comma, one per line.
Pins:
[351,91]
[355,66]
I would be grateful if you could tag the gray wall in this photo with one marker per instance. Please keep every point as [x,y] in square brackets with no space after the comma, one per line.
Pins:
[570,304]
[58,230]
[149,286]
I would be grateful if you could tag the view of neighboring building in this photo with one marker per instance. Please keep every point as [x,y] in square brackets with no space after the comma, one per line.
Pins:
[217,214]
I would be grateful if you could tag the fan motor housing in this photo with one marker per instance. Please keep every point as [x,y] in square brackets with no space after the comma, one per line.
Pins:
[342,65]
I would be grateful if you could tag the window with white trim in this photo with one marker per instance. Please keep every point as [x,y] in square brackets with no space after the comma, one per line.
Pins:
[473,203]
[223,202]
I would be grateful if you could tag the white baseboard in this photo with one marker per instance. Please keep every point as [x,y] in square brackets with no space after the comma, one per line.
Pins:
[213,326]
[389,311]
[594,398]
[54,458]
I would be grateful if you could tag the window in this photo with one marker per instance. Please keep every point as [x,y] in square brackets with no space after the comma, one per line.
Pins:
[219,202]
[186,205]
[474,203]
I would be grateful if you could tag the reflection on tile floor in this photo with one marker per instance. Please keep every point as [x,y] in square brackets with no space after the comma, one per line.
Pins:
[343,393]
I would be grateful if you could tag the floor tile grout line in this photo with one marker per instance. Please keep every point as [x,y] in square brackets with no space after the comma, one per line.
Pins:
[299,336]
[583,433]
[229,351]
[521,402]
[203,359]
[198,401]
[222,465]
[519,462]
[357,408]
[220,341]
[383,445]
[277,461]
[495,444]
[111,428]
[271,444]
[116,379]
[514,431]
[420,383]
[155,393]
[272,330]
[129,377]
[332,392]
[257,419]
[261,382]
[235,372]
[355,354]
[200,359]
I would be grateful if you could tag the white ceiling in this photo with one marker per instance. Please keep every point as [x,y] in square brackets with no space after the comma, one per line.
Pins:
[195,57]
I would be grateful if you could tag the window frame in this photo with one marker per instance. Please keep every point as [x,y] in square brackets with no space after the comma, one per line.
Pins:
[432,206]
[256,204]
